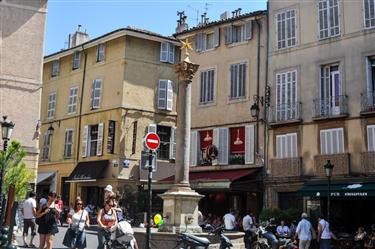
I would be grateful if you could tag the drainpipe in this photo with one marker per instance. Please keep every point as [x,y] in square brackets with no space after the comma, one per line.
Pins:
[81,103]
[257,99]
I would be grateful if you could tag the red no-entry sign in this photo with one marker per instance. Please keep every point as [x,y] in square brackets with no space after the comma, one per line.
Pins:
[152,141]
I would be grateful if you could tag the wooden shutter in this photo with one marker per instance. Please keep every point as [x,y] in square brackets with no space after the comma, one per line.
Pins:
[294,145]
[172,144]
[99,145]
[223,146]
[151,128]
[193,148]
[171,53]
[278,147]
[216,37]
[228,34]
[371,138]
[162,94]
[249,144]
[248,30]
[323,142]
[199,42]
[164,52]
[85,140]
[170,95]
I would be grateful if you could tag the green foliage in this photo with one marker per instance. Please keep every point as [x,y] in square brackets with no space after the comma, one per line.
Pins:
[287,215]
[16,172]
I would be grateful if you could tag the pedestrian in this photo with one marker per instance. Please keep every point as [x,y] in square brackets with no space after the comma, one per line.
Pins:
[75,236]
[108,192]
[47,216]
[283,230]
[304,232]
[60,205]
[29,213]
[230,220]
[106,219]
[324,233]
[248,227]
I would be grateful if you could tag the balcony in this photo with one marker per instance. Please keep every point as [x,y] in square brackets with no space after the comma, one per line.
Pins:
[367,103]
[368,162]
[331,107]
[340,161]
[287,167]
[286,113]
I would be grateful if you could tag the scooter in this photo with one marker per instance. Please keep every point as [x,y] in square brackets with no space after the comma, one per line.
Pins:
[225,242]
[189,241]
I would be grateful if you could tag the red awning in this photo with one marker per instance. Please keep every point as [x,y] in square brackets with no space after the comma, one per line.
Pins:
[213,176]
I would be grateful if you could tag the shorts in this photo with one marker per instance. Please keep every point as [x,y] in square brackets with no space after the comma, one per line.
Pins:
[29,223]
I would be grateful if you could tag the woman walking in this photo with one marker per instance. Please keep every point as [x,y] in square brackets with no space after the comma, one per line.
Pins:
[77,219]
[47,216]
[106,219]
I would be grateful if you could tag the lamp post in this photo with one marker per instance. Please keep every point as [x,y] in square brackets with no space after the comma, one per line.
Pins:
[6,132]
[328,167]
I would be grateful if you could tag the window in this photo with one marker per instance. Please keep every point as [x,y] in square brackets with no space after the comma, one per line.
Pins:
[286,95]
[286,146]
[332,141]
[221,141]
[286,29]
[207,86]
[329,18]
[370,69]
[95,93]
[51,105]
[46,145]
[331,99]
[369,13]
[238,32]
[55,68]
[92,144]
[111,137]
[238,80]
[167,135]
[72,104]
[167,52]
[165,95]
[68,146]
[76,59]
[241,145]
[207,41]
[371,138]
[100,52]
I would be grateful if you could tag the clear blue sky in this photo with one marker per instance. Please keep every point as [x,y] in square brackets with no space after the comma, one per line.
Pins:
[101,16]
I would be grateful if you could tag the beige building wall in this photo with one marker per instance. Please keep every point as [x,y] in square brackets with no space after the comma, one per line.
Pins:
[22,26]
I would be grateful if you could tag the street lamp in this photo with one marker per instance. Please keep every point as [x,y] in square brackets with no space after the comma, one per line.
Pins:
[6,132]
[328,167]
[254,110]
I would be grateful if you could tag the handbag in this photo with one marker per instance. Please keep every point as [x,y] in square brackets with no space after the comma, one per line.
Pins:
[71,234]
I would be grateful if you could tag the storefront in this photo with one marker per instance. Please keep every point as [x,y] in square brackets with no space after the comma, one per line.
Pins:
[46,182]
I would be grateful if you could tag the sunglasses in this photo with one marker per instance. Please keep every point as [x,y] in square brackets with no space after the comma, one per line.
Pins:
[79,204]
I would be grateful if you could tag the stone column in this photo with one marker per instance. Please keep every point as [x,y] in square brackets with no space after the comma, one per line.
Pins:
[180,203]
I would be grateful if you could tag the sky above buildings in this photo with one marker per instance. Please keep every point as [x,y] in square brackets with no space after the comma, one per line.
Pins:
[98,17]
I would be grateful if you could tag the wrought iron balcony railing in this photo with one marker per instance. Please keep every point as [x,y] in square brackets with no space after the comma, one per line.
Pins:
[330,107]
[368,102]
[286,112]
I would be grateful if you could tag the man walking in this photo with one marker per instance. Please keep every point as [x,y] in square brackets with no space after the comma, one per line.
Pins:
[248,227]
[304,232]
[29,212]
[324,233]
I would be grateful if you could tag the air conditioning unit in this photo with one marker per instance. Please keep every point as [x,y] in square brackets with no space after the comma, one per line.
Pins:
[225,15]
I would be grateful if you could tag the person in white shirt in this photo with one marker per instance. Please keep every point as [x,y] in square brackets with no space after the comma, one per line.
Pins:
[29,211]
[248,227]
[230,220]
[304,232]
[283,230]
[324,233]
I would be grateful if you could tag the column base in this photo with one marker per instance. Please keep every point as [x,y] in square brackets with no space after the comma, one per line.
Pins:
[180,210]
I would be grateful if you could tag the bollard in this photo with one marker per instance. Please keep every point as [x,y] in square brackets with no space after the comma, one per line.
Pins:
[3,207]
[12,222]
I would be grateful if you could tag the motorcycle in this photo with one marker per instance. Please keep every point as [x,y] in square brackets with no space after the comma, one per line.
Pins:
[225,242]
[189,241]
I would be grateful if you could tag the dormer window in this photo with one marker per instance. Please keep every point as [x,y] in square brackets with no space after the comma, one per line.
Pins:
[55,68]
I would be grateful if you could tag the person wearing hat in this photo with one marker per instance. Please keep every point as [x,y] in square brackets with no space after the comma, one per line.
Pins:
[304,232]
[108,191]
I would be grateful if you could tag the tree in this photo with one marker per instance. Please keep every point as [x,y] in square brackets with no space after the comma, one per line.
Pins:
[16,172]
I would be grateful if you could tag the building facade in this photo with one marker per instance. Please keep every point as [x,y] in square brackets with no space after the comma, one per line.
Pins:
[99,100]
[21,61]
[226,141]
[321,73]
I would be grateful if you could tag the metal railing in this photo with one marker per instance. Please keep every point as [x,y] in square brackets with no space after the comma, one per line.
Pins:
[368,102]
[286,112]
[331,106]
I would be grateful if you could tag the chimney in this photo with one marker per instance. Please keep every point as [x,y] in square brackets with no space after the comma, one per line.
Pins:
[77,38]
[181,22]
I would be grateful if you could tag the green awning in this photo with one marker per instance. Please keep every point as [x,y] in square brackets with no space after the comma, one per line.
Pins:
[339,190]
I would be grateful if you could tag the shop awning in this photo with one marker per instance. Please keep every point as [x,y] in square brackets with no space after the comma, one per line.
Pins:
[88,171]
[42,176]
[339,190]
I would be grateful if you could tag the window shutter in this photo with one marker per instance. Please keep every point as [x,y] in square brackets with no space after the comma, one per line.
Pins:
[340,135]
[249,144]
[99,146]
[193,148]
[217,37]
[164,52]
[66,142]
[228,34]
[172,144]
[85,140]
[323,143]
[371,138]
[171,53]
[162,94]
[151,128]
[223,146]
[278,147]
[199,42]
[170,96]
[248,30]
[294,145]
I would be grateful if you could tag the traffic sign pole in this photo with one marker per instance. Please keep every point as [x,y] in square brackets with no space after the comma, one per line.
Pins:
[148,239]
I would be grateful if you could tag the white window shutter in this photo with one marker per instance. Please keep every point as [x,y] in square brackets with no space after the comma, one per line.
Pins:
[248,30]
[170,95]
[172,144]
[217,37]
[99,146]
[223,146]
[340,134]
[164,52]
[171,53]
[371,138]
[193,148]
[199,42]
[151,128]
[162,94]
[249,144]
[278,147]
[228,34]
[323,143]
[85,140]
[294,145]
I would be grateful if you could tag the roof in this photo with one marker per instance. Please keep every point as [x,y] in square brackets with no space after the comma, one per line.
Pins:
[129,28]
[219,22]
